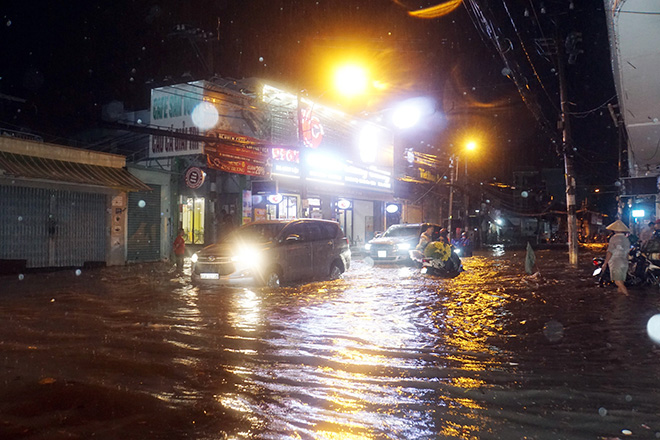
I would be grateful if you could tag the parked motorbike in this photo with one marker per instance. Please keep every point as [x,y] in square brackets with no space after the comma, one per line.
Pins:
[642,271]
[448,268]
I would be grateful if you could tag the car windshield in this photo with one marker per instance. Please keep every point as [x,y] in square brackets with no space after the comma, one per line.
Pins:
[257,232]
[401,231]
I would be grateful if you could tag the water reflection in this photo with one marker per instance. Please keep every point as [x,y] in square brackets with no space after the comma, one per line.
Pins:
[382,353]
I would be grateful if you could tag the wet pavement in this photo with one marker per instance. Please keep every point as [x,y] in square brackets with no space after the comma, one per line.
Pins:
[137,352]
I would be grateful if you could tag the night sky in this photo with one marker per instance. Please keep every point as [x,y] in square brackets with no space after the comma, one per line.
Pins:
[67,62]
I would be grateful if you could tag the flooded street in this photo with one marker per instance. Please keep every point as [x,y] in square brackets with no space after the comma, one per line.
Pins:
[384,353]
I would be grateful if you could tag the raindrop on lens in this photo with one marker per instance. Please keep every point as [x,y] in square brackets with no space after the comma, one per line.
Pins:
[653,328]
[20,218]
[261,59]
[553,331]
[78,272]
[142,203]
[524,194]
[21,277]
[602,412]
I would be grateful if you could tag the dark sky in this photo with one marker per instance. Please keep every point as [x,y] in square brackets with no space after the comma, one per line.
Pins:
[67,62]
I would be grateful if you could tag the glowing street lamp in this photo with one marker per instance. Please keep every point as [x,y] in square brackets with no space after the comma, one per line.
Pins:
[351,80]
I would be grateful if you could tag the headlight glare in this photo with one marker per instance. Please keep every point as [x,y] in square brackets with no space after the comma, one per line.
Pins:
[403,246]
[194,258]
[247,257]
[367,247]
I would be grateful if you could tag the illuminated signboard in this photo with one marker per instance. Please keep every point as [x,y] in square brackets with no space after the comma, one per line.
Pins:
[196,108]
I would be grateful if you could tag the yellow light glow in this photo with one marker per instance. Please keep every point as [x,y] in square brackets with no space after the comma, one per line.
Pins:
[471,146]
[351,80]
[437,10]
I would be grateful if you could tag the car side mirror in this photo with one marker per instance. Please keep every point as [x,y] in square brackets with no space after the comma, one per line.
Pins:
[378,234]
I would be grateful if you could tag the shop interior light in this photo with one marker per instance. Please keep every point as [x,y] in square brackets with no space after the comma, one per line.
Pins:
[638,213]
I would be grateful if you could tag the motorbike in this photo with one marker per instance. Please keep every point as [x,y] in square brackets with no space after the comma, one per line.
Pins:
[642,271]
[449,268]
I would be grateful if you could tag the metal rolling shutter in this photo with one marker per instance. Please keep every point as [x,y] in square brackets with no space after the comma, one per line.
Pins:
[51,228]
[143,240]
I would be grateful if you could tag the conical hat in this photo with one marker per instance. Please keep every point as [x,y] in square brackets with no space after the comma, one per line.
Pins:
[618,226]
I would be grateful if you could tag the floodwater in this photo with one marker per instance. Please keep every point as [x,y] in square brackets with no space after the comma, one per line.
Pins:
[384,353]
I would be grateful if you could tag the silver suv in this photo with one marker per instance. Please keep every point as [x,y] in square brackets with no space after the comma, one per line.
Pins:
[273,252]
[395,244]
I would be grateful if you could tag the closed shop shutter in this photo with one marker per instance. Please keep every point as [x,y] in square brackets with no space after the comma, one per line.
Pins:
[52,228]
[144,225]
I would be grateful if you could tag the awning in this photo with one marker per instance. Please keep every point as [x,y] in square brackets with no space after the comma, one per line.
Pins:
[31,167]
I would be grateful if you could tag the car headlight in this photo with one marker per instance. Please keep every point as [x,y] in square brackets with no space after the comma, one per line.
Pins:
[247,257]
[194,258]
[367,247]
[403,246]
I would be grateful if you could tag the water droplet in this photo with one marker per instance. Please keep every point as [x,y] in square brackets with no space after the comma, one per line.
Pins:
[553,331]
[261,59]
[142,203]
[20,218]
[653,328]
[21,277]
[78,272]
[602,412]
[626,432]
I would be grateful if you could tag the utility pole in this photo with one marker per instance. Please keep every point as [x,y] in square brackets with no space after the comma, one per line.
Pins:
[567,150]
[452,170]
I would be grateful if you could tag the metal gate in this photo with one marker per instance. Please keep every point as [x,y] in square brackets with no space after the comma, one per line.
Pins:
[143,242]
[50,228]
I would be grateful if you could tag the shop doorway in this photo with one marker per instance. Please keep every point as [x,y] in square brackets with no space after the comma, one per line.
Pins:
[286,209]
[192,219]
[345,219]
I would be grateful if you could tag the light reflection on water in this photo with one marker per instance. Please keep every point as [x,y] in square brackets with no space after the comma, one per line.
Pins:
[382,353]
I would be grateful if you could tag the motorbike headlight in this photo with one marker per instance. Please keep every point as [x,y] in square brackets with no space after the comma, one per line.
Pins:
[403,246]
[367,247]
[194,258]
[457,251]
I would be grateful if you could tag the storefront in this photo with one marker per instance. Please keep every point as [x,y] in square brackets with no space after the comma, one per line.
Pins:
[63,206]
[274,155]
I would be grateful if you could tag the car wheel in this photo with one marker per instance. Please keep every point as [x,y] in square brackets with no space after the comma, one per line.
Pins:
[335,270]
[272,278]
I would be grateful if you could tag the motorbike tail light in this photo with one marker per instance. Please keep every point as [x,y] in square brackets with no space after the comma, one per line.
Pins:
[595,261]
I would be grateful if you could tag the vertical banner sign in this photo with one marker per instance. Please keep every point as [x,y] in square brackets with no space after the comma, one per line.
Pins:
[247,206]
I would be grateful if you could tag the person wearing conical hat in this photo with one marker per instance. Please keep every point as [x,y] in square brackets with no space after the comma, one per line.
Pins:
[617,255]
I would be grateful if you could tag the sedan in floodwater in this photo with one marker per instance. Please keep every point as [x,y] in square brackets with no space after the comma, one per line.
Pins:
[273,252]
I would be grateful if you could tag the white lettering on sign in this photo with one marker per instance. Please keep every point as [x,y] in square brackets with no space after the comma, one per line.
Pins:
[285,155]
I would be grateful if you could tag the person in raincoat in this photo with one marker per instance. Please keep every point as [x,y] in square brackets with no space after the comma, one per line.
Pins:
[617,255]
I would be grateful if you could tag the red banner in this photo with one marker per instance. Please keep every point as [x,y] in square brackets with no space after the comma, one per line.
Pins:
[239,167]
[246,152]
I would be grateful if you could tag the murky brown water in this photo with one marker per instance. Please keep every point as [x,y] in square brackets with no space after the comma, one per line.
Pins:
[128,353]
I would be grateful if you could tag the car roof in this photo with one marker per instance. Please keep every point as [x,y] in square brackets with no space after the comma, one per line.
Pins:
[284,222]
[413,225]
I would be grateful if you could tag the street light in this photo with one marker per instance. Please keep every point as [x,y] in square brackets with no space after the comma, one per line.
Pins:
[351,80]
[470,146]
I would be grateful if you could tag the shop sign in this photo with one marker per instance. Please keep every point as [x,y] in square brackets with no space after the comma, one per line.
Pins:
[343,204]
[195,177]
[247,160]
[311,128]
[244,167]
[274,198]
